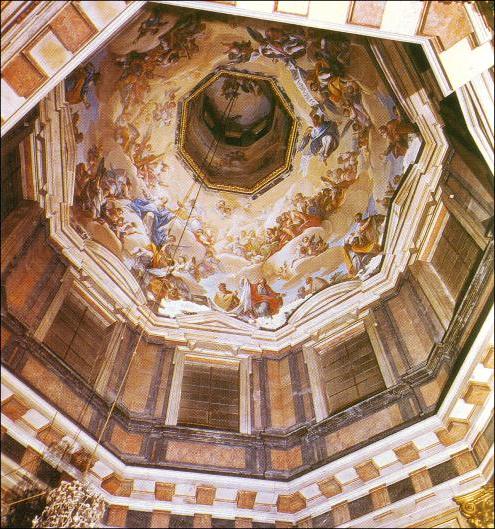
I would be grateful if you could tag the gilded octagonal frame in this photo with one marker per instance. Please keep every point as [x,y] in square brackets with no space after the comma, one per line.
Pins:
[198,171]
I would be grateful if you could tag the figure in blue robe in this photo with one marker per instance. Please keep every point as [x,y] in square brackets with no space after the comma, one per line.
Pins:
[161,217]
[77,85]
[323,137]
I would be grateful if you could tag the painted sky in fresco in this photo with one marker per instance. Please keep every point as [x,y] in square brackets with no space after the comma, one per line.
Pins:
[259,258]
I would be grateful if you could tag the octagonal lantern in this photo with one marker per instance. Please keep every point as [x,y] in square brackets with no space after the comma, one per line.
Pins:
[237,132]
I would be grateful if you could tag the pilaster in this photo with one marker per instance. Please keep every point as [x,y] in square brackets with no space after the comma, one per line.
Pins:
[57,301]
[313,364]
[176,388]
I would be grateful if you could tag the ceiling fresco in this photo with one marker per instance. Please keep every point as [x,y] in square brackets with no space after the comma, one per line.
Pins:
[297,147]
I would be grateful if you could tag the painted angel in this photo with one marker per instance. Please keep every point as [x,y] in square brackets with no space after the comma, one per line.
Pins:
[363,238]
[160,217]
[180,41]
[240,51]
[92,196]
[152,24]
[322,137]
[164,112]
[278,44]
[77,85]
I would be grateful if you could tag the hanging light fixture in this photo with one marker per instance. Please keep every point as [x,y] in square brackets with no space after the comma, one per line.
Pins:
[72,504]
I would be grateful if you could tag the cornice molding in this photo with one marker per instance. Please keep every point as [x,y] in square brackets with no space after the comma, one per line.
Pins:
[443,354]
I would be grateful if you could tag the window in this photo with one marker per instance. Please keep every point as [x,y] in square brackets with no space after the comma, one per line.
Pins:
[350,372]
[77,336]
[210,395]
[455,256]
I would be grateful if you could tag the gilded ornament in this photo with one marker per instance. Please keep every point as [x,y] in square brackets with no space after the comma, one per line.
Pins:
[477,506]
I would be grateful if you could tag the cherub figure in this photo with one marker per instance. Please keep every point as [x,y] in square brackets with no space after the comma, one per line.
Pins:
[164,112]
[239,51]
[223,208]
[312,245]
[397,133]
[283,272]
[312,285]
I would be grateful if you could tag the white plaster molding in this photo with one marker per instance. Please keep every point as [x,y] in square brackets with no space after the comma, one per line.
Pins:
[100,38]
[476,101]
[13,40]
[175,388]
[114,268]
[462,62]
[406,512]
[55,304]
[379,350]
[12,474]
[481,31]
[312,360]
[245,395]
[481,343]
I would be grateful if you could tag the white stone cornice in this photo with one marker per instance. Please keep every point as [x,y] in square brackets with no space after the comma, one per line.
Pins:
[14,40]
[431,453]
[476,100]
[101,37]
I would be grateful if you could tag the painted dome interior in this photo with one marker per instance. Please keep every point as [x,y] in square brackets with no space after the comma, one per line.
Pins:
[247,266]
[225,209]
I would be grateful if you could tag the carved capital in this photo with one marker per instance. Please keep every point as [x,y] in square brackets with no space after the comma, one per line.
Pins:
[477,506]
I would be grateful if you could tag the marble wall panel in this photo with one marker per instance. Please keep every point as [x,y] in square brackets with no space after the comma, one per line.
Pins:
[125,442]
[205,455]
[32,283]
[21,74]
[367,13]
[280,393]
[72,29]
[448,21]
[139,380]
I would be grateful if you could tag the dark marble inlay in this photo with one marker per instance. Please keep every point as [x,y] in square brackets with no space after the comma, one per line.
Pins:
[178,521]
[400,490]
[218,523]
[48,474]
[12,448]
[443,472]
[323,520]
[360,507]
[138,519]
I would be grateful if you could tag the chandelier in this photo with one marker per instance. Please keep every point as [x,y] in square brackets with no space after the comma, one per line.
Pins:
[72,504]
